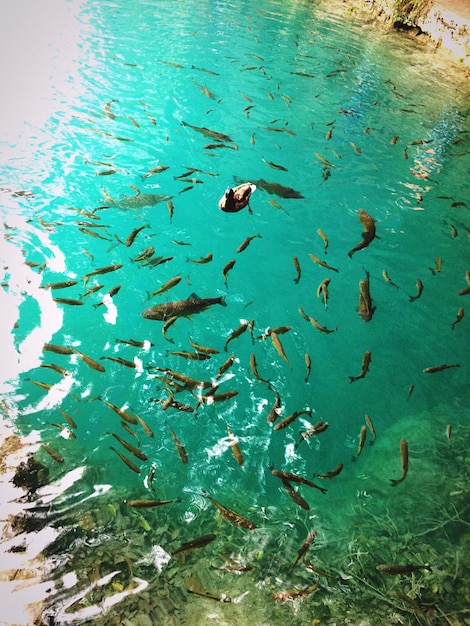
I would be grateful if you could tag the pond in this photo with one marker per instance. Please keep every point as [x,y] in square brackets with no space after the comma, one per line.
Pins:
[238,416]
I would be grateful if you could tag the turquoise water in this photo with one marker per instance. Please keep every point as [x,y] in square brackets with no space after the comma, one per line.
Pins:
[350,119]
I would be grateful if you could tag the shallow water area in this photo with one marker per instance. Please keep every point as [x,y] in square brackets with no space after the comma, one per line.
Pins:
[122,132]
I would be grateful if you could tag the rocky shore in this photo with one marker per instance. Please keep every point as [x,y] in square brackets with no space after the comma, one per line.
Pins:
[444,23]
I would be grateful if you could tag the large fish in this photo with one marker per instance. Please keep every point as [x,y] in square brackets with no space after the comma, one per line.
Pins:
[277,189]
[138,201]
[181,308]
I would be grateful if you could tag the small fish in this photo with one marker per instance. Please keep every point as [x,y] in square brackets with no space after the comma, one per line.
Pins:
[52,453]
[362,440]
[59,285]
[318,326]
[290,418]
[171,209]
[295,495]
[438,368]
[235,447]
[167,325]
[166,286]
[308,365]
[235,518]
[132,235]
[117,359]
[298,270]
[388,279]
[316,429]
[226,269]
[102,270]
[365,308]
[190,356]
[89,361]
[449,431]
[202,260]
[203,349]
[57,368]
[179,446]
[64,431]
[135,343]
[236,333]
[130,464]
[371,428]
[315,259]
[331,474]
[325,239]
[254,369]
[419,288]
[225,366]
[275,165]
[459,318]
[394,140]
[69,301]
[276,408]
[130,448]
[150,504]
[246,243]
[437,266]
[278,345]
[304,547]
[410,391]
[199,542]
[125,415]
[404,463]
[70,420]
[222,137]
[369,233]
[366,359]
[322,292]
[405,570]
[156,170]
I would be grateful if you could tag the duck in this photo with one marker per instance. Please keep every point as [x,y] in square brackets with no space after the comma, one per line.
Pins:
[237,198]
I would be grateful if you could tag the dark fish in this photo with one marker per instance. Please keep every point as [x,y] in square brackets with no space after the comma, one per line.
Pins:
[295,478]
[295,495]
[290,418]
[59,285]
[131,237]
[235,518]
[71,422]
[150,504]
[438,368]
[203,349]
[209,133]
[135,344]
[366,359]
[254,369]
[362,440]
[200,542]
[298,270]
[235,447]
[318,326]
[125,460]
[190,356]
[371,428]
[410,391]
[102,270]
[419,288]
[321,234]
[365,308]
[277,189]
[64,431]
[236,333]
[121,361]
[331,474]
[388,279]
[246,243]
[50,347]
[226,269]
[130,448]
[459,318]
[70,301]
[276,408]
[322,292]
[52,453]
[316,429]
[308,365]
[393,570]
[202,260]
[165,287]
[369,232]
[179,446]
[275,165]
[237,198]
[89,361]
[404,463]
[304,547]
[315,259]
[181,308]
[127,417]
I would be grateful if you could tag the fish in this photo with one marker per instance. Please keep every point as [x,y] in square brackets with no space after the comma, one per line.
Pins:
[315,259]
[181,308]
[102,270]
[254,369]
[410,391]
[130,448]
[203,349]
[237,198]
[146,254]
[132,235]
[246,243]
[235,447]
[166,286]
[278,345]
[171,208]
[437,265]
[338,469]
[89,361]
[449,431]
[130,464]
[226,269]
[179,446]
[93,233]
[404,463]
[127,417]
[150,504]
[316,429]
[371,428]
[295,495]
[190,356]
[275,166]
[199,542]
[234,518]
[121,361]
[276,408]
[388,279]
[419,288]
[459,318]
[290,418]
[70,301]
[365,308]
[369,233]
[279,330]
[156,170]
[236,333]
[135,343]
[69,419]
[322,292]
[366,359]
[394,140]
[225,366]
[308,365]
[209,133]
[140,200]
[298,270]
[321,234]
[64,431]
[57,368]
[319,327]
[295,478]
[277,189]
[362,440]
[52,453]
[202,260]
[404,570]
[438,368]
[59,285]
[304,547]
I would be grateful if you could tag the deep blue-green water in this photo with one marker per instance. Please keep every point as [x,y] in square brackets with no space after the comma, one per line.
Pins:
[349,117]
